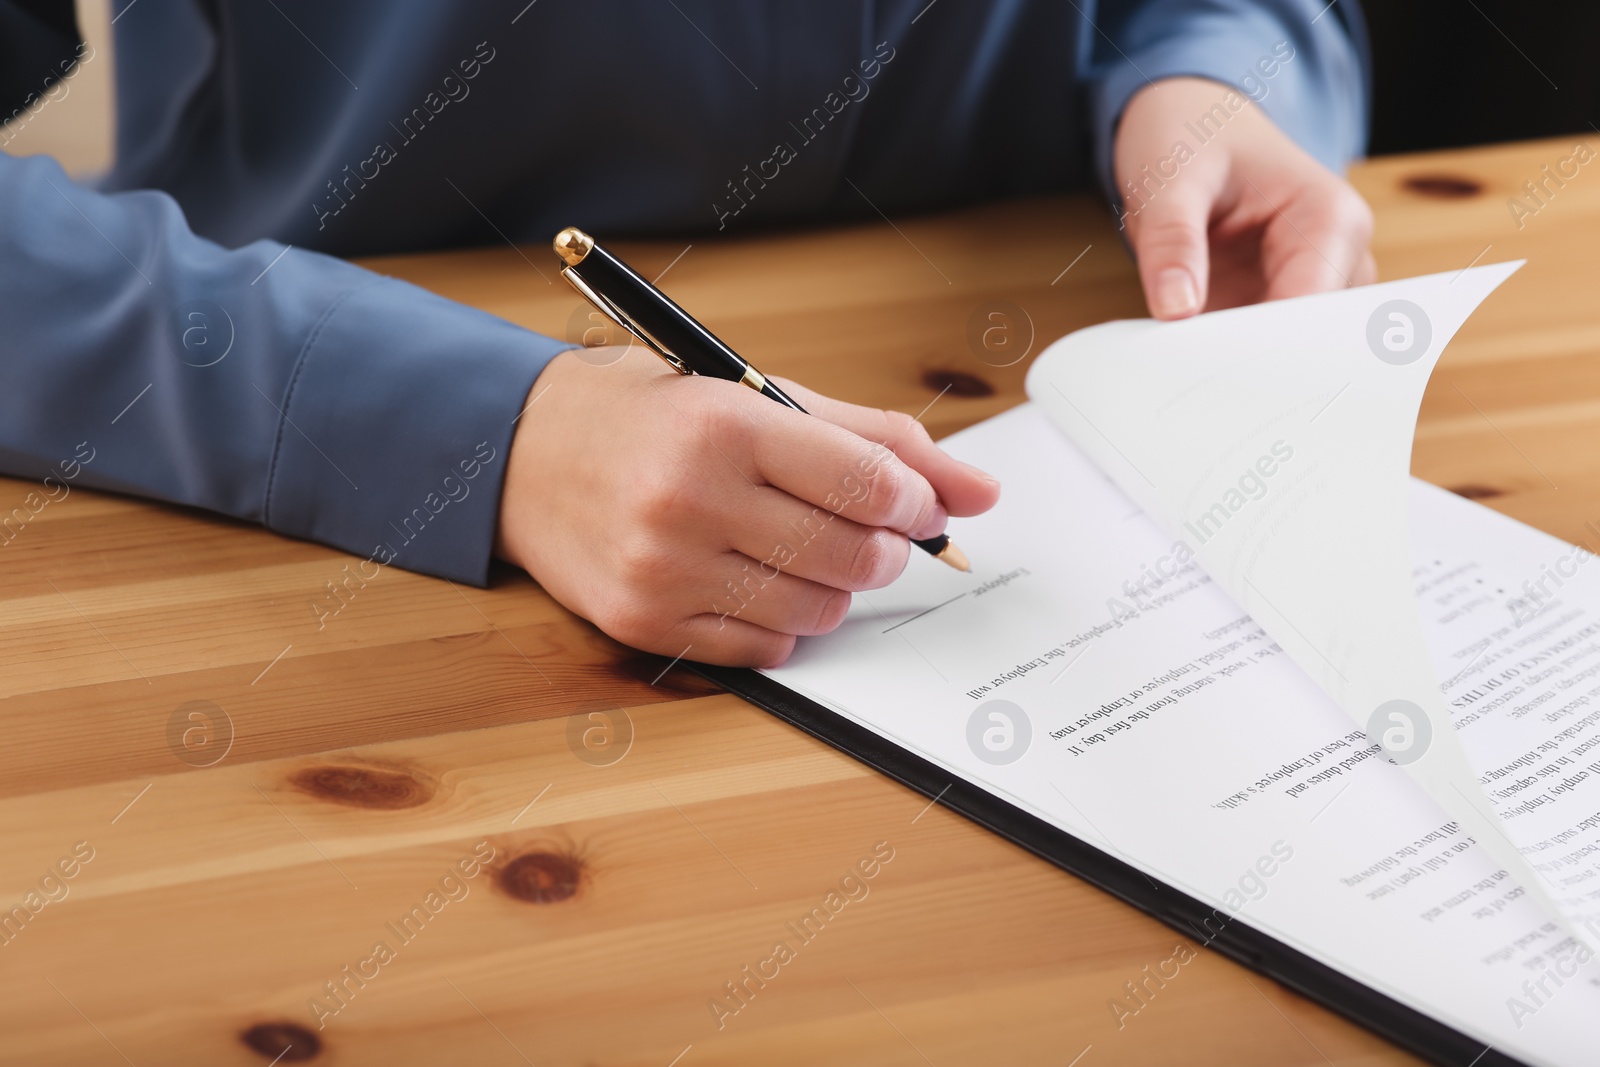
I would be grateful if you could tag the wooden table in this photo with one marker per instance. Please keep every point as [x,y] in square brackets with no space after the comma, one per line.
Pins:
[264,800]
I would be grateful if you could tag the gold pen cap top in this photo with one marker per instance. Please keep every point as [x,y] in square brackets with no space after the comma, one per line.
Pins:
[572,244]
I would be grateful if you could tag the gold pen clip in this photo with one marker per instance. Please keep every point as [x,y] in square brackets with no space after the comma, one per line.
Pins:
[623,319]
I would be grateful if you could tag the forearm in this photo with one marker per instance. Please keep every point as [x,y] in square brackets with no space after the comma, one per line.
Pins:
[282,387]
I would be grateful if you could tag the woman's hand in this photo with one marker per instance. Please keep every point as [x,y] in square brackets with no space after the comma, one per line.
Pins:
[1243,216]
[691,516]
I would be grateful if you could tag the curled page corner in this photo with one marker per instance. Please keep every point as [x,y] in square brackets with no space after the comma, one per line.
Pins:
[1274,442]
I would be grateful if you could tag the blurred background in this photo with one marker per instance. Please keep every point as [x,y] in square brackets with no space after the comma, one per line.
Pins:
[1463,72]
[1447,73]
[75,127]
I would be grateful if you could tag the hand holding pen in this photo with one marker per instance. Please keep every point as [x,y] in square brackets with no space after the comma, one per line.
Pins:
[687,517]
[678,338]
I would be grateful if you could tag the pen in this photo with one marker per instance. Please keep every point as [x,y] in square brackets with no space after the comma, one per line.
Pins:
[674,335]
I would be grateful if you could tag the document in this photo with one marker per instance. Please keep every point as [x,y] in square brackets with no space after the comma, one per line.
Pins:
[1176,647]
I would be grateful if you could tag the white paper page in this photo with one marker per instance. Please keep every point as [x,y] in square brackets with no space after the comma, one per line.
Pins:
[1513,623]
[1159,723]
[1275,440]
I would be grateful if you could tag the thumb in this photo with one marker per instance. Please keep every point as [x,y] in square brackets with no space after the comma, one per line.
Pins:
[1169,242]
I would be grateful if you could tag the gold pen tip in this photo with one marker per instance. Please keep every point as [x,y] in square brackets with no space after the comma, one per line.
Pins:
[955,557]
[572,244]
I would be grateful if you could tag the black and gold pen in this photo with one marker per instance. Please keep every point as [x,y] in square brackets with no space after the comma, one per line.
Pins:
[674,335]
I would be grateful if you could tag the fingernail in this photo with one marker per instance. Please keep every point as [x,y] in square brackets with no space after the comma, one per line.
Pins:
[991,480]
[1175,294]
[938,519]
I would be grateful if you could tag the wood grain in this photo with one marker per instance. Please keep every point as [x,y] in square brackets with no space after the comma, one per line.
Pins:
[339,773]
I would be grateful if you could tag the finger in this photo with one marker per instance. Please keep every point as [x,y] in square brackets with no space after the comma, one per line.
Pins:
[1170,243]
[726,642]
[827,466]
[1367,273]
[1317,244]
[760,593]
[962,489]
[812,543]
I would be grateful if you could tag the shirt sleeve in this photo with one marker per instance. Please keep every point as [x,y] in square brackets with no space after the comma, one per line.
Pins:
[269,383]
[1304,62]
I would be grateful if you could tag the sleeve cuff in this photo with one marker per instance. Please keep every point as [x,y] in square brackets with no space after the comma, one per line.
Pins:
[396,426]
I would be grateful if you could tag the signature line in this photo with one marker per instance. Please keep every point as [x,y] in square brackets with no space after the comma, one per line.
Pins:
[920,614]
